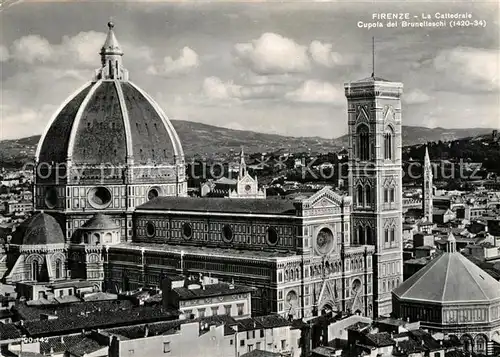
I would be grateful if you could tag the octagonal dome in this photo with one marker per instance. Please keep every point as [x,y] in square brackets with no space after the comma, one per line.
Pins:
[450,279]
[110,121]
[40,229]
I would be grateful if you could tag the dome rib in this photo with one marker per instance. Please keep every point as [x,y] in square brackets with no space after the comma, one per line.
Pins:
[174,138]
[467,268]
[55,116]
[446,280]
[78,117]
[126,121]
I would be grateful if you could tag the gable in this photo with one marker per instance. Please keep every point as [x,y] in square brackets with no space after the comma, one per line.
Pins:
[325,198]
[247,179]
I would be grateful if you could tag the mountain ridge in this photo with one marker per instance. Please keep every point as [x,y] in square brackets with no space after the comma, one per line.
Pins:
[199,139]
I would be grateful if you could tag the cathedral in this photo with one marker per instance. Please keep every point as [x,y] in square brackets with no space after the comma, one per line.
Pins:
[112,207]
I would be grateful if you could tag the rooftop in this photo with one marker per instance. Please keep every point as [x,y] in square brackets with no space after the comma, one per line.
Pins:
[220,205]
[207,251]
[450,278]
[98,319]
[212,290]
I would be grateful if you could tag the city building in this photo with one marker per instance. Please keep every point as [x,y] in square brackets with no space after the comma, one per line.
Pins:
[375,179]
[126,224]
[453,296]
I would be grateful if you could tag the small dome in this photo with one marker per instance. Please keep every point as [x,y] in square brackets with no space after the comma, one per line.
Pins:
[40,229]
[100,222]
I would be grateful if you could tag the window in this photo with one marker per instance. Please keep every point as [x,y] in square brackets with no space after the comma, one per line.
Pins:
[253,334]
[386,195]
[166,347]
[215,310]
[369,238]
[261,333]
[257,346]
[34,270]
[61,293]
[250,348]
[393,236]
[387,235]
[201,312]
[388,145]
[58,269]
[240,309]
[283,344]
[368,196]
[227,309]
[361,235]
[242,343]
[363,142]
[280,295]
[360,195]
[231,342]
[391,195]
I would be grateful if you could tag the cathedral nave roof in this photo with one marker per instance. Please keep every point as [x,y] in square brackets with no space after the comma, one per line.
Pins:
[221,205]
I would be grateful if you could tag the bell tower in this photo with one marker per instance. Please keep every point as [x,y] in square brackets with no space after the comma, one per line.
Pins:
[375,179]
[427,192]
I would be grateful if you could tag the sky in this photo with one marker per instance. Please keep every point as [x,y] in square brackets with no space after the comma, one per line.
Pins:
[275,67]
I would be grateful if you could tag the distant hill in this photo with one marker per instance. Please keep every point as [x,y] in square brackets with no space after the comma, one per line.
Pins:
[204,139]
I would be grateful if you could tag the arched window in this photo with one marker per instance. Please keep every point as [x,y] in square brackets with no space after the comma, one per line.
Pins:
[34,270]
[386,235]
[368,196]
[393,236]
[58,269]
[363,135]
[369,237]
[360,195]
[388,143]
[361,235]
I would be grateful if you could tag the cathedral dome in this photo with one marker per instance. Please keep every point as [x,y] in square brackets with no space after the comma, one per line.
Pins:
[110,121]
[40,229]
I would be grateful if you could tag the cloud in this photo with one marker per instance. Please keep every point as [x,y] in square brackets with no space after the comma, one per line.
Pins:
[4,53]
[18,118]
[31,49]
[470,68]
[416,97]
[322,54]
[313,91]
[215,88]
[273,54]
[79,51]
[187,60]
